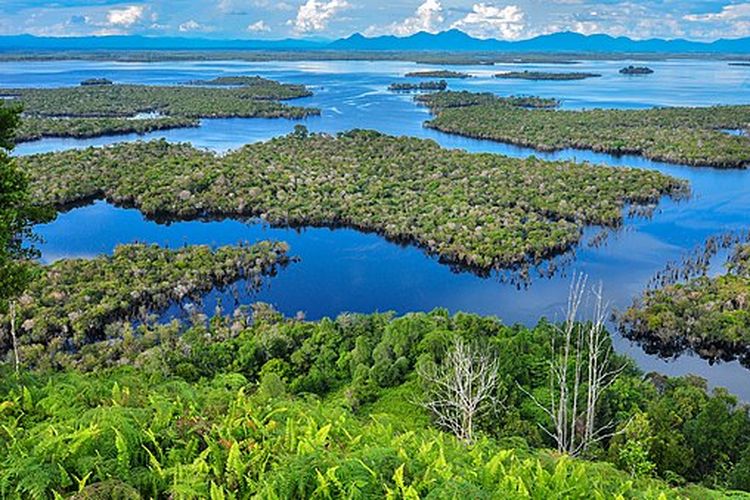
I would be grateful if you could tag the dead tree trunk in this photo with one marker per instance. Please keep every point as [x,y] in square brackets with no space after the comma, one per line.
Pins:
[461,389]
[581,370]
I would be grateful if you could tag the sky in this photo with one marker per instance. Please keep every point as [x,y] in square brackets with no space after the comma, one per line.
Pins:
[329,19]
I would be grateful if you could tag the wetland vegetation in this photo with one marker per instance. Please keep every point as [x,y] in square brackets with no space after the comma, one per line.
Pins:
[95,110]
[441,73]
[482,211]
[33,128]
[707,315]
[425,86]
[692,136]
[70,303]
[546,75]
[636,70]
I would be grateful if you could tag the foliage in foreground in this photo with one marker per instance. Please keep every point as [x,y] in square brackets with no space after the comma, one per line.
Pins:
[69,304]
[710,315]
[280,408]
[692,136]
[480,210]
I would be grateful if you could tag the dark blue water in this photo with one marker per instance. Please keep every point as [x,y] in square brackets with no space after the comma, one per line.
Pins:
[344,270]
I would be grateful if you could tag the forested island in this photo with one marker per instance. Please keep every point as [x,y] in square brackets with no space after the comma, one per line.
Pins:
[545,75]
[95,110]
[636,70]
[707,315]
[443,73]
[426,86]
[692,136]
[482,211]
[97,81]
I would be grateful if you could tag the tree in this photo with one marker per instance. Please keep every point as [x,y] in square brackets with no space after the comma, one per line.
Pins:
[461,389]
[581,370]
[17,215]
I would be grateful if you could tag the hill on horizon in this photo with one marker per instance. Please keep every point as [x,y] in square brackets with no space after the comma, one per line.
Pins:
[451,40]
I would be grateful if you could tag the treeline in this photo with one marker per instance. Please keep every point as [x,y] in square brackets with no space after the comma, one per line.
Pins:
[692,136]
[430,85]
[33,128]
[72,302]
[482,211]
[95,110]
[707,315]
[441,73]
[546,75]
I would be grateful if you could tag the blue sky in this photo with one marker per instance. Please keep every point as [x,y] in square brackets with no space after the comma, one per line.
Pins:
[271,19]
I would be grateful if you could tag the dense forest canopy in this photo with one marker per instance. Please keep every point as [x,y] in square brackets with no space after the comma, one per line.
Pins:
[692,136]
[480,210]
[91,110]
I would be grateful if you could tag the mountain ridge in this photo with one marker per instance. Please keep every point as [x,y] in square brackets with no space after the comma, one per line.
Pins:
[452,40]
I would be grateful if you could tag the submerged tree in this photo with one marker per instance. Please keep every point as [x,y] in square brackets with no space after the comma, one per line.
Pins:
[581,370]
[461,389]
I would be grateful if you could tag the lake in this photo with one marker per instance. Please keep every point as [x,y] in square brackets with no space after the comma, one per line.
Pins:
[345,270]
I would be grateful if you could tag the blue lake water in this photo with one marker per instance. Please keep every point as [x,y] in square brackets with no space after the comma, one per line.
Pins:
[344,270]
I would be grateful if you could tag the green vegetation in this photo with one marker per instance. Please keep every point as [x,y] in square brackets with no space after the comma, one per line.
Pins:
[70,303]
[33,128]
[479,210]
[546,75]
[186,101]
[430,85]
[636,70]
[267,407]
[261,87]
[441,73]
[692,136]
[96,109]
[710,316]
[97,81]
[452,99]
[17,215]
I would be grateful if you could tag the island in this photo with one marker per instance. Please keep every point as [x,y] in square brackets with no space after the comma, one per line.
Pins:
[96,81]
[416,191]
[437,74]
[685,135]
[545,75]
[636,70]
[104,109]
[407,87]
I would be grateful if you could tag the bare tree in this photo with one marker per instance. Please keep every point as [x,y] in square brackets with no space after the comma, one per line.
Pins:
[581,370]
[461,388]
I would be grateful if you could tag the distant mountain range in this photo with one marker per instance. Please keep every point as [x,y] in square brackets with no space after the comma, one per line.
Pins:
[556,42]
[452,40]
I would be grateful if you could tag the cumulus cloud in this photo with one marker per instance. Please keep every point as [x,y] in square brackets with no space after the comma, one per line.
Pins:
[315,15]
[428,17]
[258,27]
[727,13]
[486,20]
[126,16]
[192,25]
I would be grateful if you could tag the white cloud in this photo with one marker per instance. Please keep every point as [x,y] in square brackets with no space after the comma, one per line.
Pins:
[727,13]
[428,17]
[126,16]
[487,20]
[258,27]
[315,15]
[192,25]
